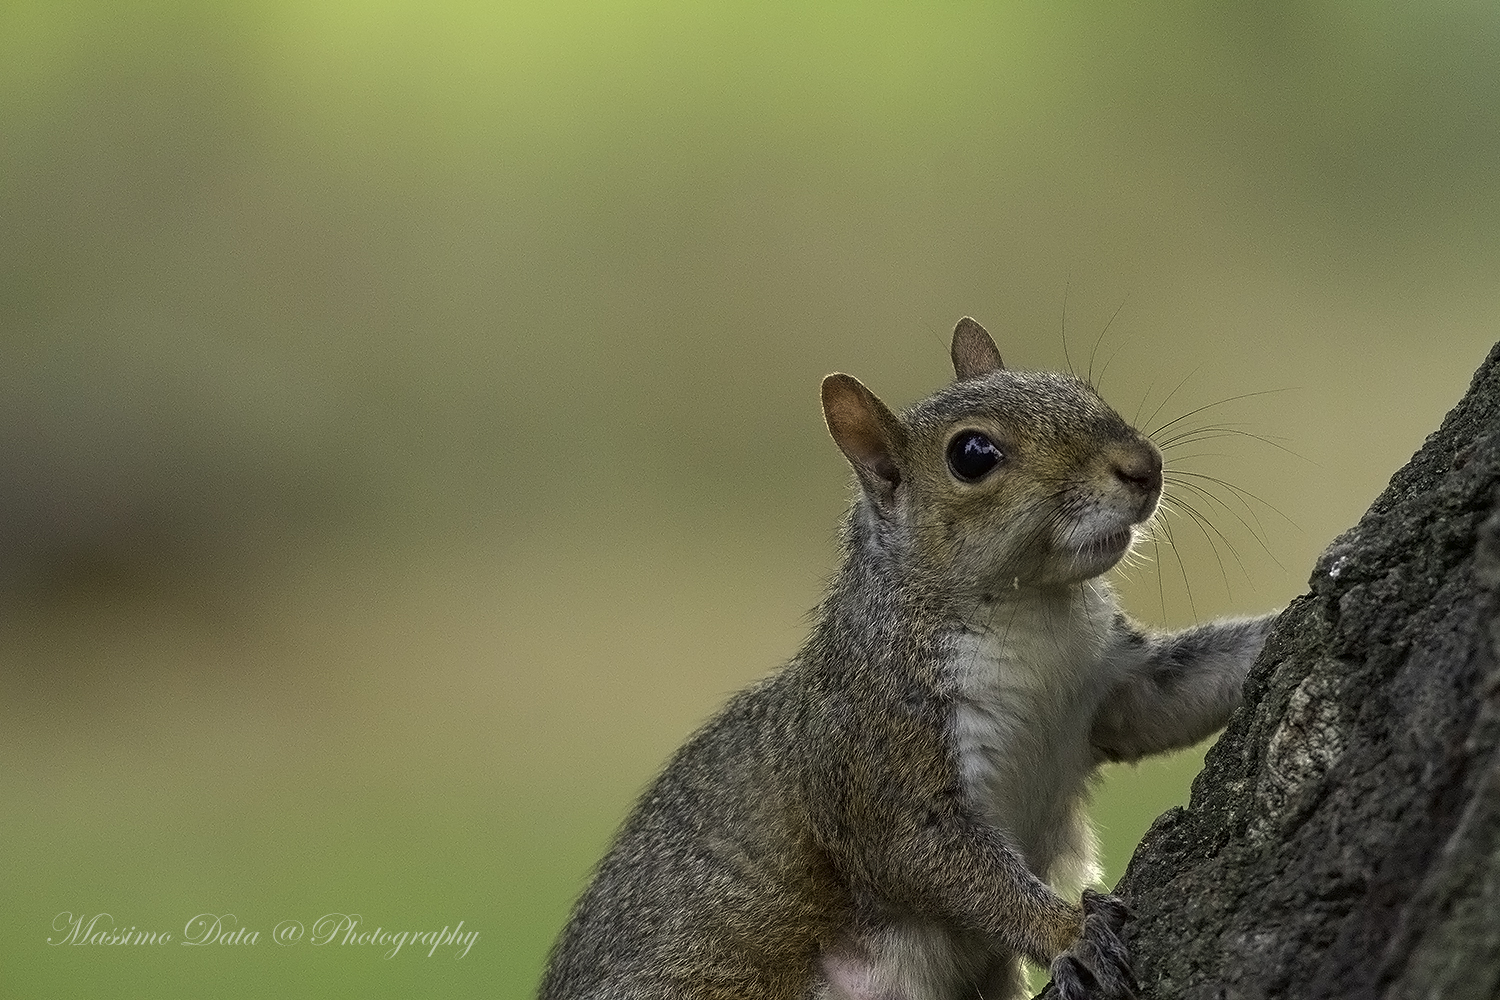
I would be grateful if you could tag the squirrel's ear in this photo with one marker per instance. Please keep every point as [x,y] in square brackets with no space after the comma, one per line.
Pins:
[974,352]
[867,433]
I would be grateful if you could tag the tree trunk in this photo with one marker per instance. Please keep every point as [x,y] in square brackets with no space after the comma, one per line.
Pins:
[1343,839]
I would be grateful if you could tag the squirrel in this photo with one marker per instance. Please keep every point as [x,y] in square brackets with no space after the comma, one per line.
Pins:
[898,814]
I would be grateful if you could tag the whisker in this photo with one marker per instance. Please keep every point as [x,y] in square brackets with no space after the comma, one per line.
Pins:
[1067,282]
[1186,437]
[1136,420]
[1206,527]
[1227,429]
[1244,495]
[1209,406]
[1168,399]
[1161,589]
[1208,494]
[1095,352]
[1187,587]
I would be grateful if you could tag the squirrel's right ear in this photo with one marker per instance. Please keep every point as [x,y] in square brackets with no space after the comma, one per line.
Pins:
[974,351]
[867,433]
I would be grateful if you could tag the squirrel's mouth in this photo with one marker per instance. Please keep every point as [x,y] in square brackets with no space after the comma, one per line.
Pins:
[1112,544]
[1092,545]
[1100,552]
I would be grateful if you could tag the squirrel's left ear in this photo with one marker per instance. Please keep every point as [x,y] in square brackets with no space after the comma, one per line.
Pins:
[867,433]
[974,352]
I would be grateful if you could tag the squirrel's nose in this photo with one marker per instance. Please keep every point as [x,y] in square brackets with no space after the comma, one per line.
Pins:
[1141,471]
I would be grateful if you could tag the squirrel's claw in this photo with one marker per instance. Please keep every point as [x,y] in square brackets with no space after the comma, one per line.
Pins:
[1097,967]
[1112,908]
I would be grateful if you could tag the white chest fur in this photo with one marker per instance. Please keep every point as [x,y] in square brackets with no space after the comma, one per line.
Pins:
[1030,681]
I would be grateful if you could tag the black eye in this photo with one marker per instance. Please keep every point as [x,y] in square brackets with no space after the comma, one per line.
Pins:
[971,456]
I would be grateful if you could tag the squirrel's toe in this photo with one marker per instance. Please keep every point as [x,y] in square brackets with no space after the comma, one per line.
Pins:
[1097,967]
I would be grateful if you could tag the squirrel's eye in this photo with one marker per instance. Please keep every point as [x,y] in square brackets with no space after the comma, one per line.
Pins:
[971,456]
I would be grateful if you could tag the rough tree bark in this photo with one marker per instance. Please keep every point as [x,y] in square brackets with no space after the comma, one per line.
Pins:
[1343,839]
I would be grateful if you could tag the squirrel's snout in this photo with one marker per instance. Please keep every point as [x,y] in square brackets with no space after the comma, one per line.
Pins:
[1140,471]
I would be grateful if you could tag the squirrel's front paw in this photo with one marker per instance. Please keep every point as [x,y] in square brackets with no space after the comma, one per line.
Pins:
[1098,966]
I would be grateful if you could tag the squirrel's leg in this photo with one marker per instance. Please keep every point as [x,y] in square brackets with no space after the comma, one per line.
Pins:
[963,875]
[912,960]
[1178,687]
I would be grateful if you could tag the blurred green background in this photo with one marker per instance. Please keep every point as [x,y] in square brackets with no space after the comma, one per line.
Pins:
[408,412]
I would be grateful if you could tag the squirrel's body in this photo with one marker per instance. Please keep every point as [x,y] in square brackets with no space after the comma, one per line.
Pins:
[898,813]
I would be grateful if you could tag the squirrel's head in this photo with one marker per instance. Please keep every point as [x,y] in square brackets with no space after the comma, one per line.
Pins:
[1002,478]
